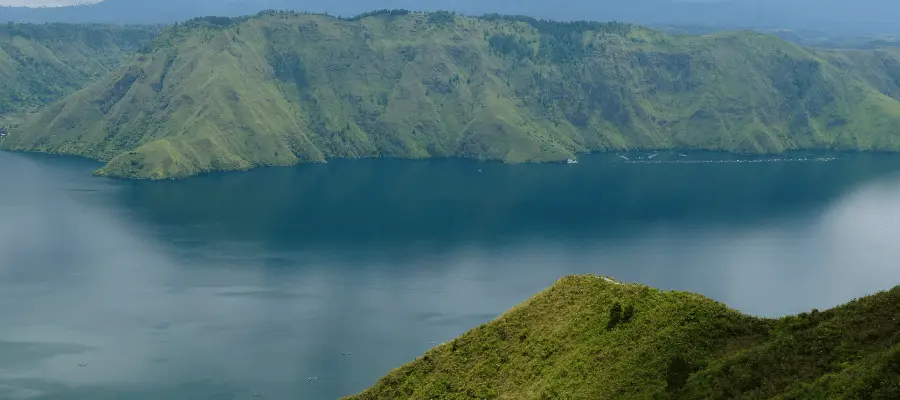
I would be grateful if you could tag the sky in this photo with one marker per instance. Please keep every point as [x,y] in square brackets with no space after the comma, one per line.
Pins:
[43,3]
[833,16]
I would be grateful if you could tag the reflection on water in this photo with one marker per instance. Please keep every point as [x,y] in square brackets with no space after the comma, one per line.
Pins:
[225,285]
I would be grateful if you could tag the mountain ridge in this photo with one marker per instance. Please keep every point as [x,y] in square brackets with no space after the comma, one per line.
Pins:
[281,88]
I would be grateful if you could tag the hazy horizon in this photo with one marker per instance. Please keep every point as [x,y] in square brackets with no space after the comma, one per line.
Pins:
[863,16]
[45,3]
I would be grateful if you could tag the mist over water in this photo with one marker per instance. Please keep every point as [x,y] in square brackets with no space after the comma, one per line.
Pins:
[224,285]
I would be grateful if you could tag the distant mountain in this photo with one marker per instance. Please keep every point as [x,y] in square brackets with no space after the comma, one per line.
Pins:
[281,88]
[860,16]
[589,337]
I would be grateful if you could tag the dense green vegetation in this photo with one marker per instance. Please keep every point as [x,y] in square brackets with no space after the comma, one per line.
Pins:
[40,64]
[280,88]
[589,337]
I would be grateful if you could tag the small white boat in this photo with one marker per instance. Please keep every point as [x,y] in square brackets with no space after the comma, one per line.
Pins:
[571,161]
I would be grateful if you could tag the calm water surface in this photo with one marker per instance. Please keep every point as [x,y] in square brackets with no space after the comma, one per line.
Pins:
[224,285]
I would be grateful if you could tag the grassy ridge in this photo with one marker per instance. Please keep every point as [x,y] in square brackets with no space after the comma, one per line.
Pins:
[40,64]
[879,68]
[283,88]
[588,337]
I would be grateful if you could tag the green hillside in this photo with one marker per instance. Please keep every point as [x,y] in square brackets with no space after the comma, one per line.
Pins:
[40,64]
[880,68]
[283,88]
[588,337]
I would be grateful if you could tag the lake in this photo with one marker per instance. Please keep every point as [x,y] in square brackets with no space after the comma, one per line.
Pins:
[227,284]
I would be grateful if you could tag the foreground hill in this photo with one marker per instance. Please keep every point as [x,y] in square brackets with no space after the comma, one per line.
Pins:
[40,64]
[282,88]
[589,337]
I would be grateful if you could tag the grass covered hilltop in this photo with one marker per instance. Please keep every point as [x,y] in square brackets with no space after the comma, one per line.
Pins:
[589,337]
[281,88]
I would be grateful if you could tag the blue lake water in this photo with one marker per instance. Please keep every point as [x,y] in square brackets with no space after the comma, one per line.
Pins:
[223,285]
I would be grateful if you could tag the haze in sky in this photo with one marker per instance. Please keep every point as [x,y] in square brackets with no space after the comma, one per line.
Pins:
[44,3]
[847,16]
